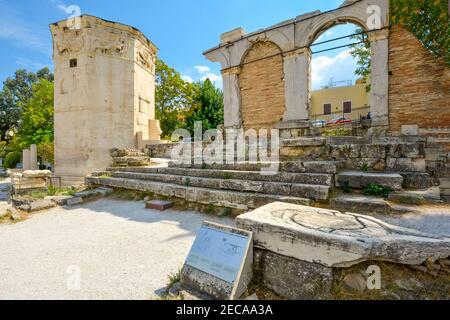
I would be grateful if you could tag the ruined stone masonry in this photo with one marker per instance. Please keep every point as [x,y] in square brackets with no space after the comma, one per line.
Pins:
[268,71]
[104,93]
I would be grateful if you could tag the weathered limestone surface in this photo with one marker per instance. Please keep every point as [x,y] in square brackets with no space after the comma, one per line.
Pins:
[219,198]
[360,203]
[360,179]
[104,93]
[294,279]
[293,72]
[334,239]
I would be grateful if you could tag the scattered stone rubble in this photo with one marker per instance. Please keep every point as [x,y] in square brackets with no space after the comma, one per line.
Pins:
[125,157]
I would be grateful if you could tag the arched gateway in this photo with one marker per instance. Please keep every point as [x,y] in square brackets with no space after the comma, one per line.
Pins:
[293,38]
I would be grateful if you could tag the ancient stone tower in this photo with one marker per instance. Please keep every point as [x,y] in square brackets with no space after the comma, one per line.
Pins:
[104,93]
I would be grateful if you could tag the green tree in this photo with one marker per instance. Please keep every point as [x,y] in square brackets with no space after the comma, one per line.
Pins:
[207,108]
[36,126]
[174,97]
[427,20]
[15,93]
[362,53]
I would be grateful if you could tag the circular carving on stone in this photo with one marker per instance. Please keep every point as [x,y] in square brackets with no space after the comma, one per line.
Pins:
[317,219]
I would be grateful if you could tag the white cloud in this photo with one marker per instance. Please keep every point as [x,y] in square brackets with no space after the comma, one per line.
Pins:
[340,67]
[187,79]
[212,77]
[205,73]
[202,69]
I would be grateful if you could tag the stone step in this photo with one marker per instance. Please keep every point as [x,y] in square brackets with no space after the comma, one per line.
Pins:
[360,204]
[330,167]
[132,161]
[316,192]
[445,183]
[219,198]
[360,179]
[416,180]
[416,197]
[286,177]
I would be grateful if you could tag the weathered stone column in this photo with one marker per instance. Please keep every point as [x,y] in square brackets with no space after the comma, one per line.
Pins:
[33,157]
[379,97]
[232,97]
[26,159]
[297,70]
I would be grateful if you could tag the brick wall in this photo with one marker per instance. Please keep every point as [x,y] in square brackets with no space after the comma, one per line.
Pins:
[262,86]
[419,87]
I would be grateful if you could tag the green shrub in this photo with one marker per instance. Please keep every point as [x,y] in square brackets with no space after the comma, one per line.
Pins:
[365,167]
[377,190]
[12,159]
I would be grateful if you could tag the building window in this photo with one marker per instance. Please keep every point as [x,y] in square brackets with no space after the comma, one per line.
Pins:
[327,109]
[73,63]
[347,107]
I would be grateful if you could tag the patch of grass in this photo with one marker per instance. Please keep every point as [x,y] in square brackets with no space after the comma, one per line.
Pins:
[69,192]
[365,167]
[210,209]
[38,195]
[377,190]
[173,279]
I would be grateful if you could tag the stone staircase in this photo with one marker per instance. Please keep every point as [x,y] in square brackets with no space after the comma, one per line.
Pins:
[445,181]
[237,186]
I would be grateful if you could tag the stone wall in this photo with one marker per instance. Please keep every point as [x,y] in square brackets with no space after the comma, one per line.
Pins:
[262,86]
[419,85]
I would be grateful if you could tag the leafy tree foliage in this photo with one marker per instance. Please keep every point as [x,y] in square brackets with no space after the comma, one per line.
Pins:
[15,93]
[363,55]
[207,109]
[174,97]
[427,20]
[36,125]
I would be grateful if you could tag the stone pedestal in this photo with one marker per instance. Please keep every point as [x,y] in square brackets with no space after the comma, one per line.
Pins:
[26,165]
[33,157]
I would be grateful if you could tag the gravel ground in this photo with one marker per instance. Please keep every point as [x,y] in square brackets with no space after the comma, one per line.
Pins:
[122,251]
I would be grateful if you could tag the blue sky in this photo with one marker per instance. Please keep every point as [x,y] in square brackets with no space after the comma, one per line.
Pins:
[182,30]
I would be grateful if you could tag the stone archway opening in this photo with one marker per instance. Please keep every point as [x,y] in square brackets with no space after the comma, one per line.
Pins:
[340,74]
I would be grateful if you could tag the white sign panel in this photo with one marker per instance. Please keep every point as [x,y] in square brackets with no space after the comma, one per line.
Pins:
[218,253]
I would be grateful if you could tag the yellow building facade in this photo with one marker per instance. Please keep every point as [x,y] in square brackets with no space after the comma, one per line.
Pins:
[352,102]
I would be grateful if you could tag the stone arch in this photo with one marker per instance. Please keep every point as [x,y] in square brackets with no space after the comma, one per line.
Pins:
[323,25]
[262,86]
